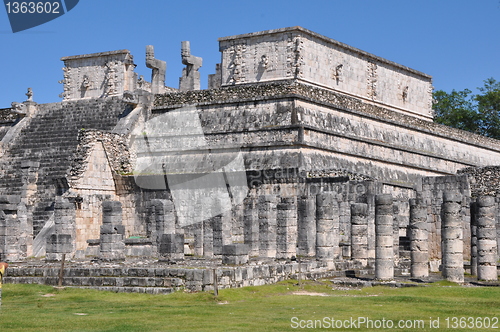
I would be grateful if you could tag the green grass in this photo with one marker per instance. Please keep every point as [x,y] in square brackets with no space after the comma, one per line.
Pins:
[264,308]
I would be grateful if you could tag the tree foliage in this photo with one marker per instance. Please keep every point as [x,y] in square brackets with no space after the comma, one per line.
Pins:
[477,113]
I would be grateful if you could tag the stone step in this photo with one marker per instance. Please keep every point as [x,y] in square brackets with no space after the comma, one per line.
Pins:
[145,290]
[122,281]
[116,289]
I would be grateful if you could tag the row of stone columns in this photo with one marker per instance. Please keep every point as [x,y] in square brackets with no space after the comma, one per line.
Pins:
[484,251]
[384,235]
[284,227]
[451,235]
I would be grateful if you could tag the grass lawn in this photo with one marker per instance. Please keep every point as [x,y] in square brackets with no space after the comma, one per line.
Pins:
[264,308]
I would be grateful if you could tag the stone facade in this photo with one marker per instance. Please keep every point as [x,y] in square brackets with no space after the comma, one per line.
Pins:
[297,53]
[281,159]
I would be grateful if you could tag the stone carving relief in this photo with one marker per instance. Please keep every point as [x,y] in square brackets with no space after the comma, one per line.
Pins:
[371,80]
[66,82]
[86,83]
[337,73]
[111,78]
[237,65]
[295,57]
[430,90]
[18,108]
[264,61]
[140,82]
[404,94]
[190,79]
[262,66]
[29,94]
[158,71]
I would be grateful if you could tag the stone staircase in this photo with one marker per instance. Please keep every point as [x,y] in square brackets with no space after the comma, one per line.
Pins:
[49,141]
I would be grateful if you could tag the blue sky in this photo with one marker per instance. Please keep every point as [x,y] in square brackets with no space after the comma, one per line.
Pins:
[457,42]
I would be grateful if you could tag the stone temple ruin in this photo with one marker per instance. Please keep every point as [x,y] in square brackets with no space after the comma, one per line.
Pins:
[304,155]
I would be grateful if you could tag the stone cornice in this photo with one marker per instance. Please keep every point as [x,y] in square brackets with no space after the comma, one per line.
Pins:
[293,89]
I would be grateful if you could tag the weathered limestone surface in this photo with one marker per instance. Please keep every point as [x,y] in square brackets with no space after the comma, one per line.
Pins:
[112,245]
[359,231]
[302,54]
[190,79]
[158,67]
[431,190]
[384,252]
[419,239]
[235,254]
[171,247]
[286,228]
[306,241]
[251,225]
[487,250]
[62,241]
[267,225]
[452,235]
[473,237]
[327,227]
[161,221]
[98,75]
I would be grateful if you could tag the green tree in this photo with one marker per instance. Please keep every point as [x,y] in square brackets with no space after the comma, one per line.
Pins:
[475,113]
[488,106]
[457,109]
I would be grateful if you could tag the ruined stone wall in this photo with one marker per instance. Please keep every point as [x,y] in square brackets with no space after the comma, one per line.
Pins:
[483,180]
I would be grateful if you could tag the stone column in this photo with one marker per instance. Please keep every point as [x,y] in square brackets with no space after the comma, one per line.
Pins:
[221,226]
[198,238]
[171,247]
[452,237]
[306,245]
[10,228]
[112,246]
[9,233]
[63,238]
[473,238]
[25,208]
[225,227]
[235,254]
[251,226]
[486,239]
[3,235]
[359,232]
[217,234]
[208,238]
[208,229]
[161,215]
[384,252]
[419,239]
[327,226]
[267,226]
[286,233]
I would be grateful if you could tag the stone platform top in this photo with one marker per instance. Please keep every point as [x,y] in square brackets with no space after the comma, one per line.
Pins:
[307,56]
